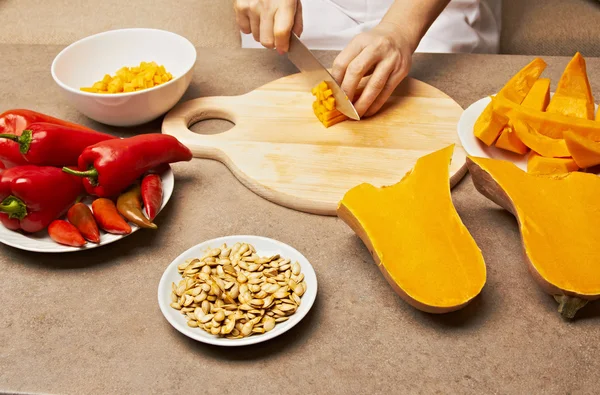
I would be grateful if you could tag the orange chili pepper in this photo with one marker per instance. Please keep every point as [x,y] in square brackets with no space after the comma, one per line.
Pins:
[108,218]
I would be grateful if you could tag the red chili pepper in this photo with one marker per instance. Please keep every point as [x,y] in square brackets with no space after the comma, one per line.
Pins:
[31,196]
[108,218]
[14,122]
[45,144]
[111,166]
[81,216]
[152,194]
[65,233]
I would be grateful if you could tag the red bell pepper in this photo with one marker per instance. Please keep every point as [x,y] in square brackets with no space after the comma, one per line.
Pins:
[14,122]
[111,166]
[45,144]
[31,196]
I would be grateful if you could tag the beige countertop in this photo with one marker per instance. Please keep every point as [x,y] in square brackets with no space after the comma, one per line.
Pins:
[90,323]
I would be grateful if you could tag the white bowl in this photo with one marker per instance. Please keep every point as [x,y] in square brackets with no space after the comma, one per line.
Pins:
[264,246]
[88,60]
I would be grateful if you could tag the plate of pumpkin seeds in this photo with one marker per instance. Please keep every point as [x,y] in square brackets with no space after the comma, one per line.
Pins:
[237,290]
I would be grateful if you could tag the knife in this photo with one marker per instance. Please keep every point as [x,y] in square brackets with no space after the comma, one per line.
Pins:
[315,72]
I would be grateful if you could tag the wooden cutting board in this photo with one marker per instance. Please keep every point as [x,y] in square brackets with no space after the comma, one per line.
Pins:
[279,149]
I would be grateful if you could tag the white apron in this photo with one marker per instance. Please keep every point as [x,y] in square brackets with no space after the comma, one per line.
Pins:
[463,26]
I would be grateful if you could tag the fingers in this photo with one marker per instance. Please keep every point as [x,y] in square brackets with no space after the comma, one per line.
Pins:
[341,62]
[267,22]
[284,21]
[298,20]
[393,81]
[375,86]
[241,16]
[254,16]
[357,69]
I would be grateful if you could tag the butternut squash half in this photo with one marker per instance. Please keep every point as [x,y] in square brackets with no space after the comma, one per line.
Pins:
[416,237]
[559,218]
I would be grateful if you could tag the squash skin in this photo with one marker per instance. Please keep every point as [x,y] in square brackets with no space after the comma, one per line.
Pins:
[570,300]
[404,266]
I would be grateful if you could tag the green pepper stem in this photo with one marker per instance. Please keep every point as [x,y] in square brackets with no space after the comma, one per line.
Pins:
[91,173]
[9,136]
[14,207]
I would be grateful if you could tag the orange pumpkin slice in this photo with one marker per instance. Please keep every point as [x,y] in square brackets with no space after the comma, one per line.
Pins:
[585,152]
[545,146]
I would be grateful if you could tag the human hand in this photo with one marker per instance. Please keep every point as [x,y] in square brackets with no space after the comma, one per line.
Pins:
[385,55]
[270,21]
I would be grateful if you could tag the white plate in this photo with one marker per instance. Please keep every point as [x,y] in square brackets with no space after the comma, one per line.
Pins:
[41,241]
[474,147]
[264,246]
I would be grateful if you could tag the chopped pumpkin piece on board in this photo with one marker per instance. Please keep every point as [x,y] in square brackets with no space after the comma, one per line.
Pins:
[537,164]
[573,96]
[585,152]
[416,237]
[324,105]
[558,219]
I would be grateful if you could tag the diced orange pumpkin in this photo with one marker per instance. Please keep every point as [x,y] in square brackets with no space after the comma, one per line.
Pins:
[543,145]
[573,96]
[539,95]
[585,152]
[324,105]
[509,141]
[488,126]
[537,164]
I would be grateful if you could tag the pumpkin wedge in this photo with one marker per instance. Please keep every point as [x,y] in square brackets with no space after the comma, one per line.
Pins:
[416,237]
[489,125]
[543,145]
[537,99]
[559,218]
[537,164]
[585,152]
[573,96]
[548,124]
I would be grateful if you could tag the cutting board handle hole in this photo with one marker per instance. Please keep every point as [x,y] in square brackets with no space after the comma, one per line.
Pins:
[211,126]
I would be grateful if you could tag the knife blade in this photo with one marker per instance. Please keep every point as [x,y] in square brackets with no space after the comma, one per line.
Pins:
[315,72]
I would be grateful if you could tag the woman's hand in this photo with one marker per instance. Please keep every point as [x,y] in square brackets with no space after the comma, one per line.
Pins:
[383,53]
[270,21]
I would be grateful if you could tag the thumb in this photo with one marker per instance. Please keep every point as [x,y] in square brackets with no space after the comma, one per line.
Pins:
[298,22]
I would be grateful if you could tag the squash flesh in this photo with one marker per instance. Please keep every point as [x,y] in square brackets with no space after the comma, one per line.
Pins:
[509,141]
[573,96]
[585,152]
[417,238]
[537,164]
[539,95]
[559,218]
[548,124]
[543,145]
[489,124]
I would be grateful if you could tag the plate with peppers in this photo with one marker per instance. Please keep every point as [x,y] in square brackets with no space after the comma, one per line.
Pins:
[64,187]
